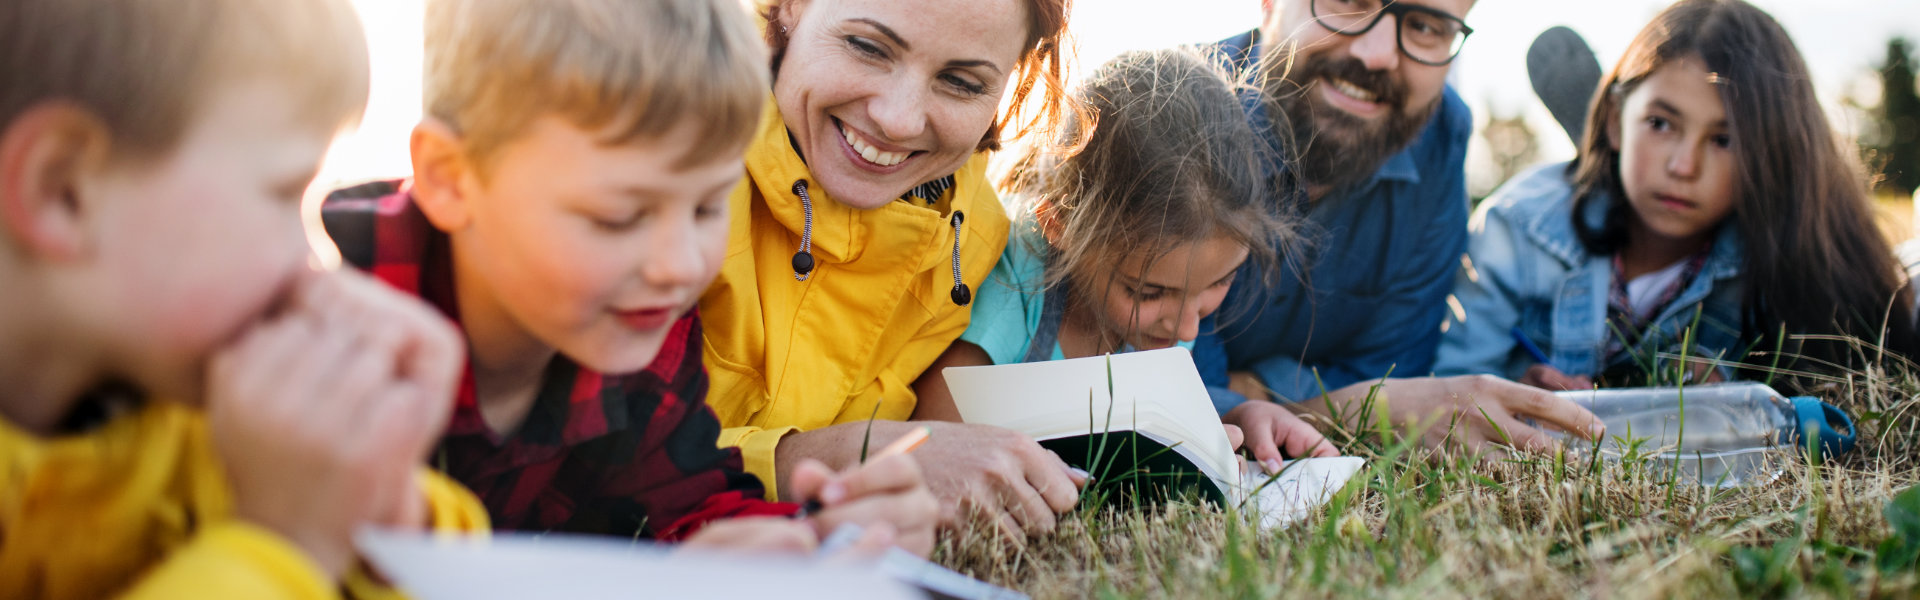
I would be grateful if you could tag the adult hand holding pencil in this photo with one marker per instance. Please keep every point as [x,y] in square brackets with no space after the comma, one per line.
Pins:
[886,495]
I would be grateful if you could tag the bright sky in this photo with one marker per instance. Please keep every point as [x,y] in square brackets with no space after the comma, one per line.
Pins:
[1842,39]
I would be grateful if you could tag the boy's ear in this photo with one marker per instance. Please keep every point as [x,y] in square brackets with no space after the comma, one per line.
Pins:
[44,153]
[440,171]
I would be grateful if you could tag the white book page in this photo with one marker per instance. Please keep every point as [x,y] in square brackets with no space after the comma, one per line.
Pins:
[1158,391]
[520,566]
[1302,486]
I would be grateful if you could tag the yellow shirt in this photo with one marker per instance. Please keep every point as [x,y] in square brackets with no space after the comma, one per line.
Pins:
[786,355]
[141,508]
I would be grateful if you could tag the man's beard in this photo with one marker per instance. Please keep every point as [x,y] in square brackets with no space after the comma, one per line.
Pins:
[1335,149]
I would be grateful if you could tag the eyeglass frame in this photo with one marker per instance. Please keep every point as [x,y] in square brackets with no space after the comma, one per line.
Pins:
[1398,10]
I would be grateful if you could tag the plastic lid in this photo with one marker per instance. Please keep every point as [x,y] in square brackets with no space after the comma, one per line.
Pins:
[1813,418]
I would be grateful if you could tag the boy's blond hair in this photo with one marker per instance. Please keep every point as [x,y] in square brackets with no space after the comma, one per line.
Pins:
[144,66]
[629,69]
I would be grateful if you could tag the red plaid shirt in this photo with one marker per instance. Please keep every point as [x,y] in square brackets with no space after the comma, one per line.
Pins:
[626,455]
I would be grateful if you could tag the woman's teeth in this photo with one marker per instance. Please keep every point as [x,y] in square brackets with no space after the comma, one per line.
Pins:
[1351,90]
[884,159]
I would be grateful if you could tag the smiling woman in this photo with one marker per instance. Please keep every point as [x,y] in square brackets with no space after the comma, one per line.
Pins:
[864,226]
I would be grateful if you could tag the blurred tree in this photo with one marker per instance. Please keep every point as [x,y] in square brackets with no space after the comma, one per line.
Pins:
[1892,140]
[1511,143]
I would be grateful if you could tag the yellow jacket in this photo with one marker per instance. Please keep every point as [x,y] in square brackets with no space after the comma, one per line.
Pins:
[140,508]
[786,355]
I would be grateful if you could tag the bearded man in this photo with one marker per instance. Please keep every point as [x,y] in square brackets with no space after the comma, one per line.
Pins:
[1364,131]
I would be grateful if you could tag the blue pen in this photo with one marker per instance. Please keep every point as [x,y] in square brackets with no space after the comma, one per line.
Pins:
[1533,350]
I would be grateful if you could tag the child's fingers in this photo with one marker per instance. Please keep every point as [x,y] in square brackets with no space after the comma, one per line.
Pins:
[874,541]
[809,479]
[426,413]
[1261,442]
[364,376]
[755,534]
[1235,436]
[1303,440]
[882,475]
[906,513]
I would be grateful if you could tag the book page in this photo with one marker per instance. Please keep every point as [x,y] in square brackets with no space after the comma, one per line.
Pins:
[520,566]
[1156,392]
[1301,486]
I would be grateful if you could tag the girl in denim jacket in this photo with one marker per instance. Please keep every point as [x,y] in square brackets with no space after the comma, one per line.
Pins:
[1711,214]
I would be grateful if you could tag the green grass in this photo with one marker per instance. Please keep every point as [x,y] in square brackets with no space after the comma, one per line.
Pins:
[1426,525]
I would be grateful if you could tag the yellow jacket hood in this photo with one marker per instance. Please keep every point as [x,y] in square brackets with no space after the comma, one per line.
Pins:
[877,308]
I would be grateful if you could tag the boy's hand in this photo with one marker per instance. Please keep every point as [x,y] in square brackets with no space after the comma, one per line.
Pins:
[1274,433]
[426,352]
[887,491]
[1544,376]
[775,535]
[322,414]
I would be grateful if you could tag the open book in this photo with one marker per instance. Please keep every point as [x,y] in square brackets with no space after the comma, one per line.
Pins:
[1083,408]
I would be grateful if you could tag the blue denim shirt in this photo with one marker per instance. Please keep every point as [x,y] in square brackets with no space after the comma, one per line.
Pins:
[1370,296]
[1527,268]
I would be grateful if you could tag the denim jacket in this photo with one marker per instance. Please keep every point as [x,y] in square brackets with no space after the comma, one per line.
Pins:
[1527,268]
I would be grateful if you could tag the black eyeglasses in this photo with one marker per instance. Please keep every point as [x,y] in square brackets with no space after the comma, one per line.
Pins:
[1426,35]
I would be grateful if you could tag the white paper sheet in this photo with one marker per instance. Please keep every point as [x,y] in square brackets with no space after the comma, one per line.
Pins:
[1302,486]
[520,567]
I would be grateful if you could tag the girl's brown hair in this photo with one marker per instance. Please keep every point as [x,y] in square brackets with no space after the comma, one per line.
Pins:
[1815,263]
[1042,63]
[1165,157]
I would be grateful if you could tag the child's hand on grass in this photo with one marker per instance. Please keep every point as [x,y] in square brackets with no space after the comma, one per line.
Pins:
[1544,376]
[1273,433]
[322,415]
[887,493]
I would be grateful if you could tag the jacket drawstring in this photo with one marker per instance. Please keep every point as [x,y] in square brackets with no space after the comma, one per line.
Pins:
[803,260]
[961,295]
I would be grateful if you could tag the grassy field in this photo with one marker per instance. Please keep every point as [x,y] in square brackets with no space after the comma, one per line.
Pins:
[1434,525]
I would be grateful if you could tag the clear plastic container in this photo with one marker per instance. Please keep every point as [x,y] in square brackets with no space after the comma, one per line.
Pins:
[1724,437]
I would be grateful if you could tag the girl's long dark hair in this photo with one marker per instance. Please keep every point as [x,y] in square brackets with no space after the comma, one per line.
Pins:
[1815,262]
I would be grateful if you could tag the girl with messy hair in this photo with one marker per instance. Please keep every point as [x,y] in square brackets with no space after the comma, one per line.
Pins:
[1129,231]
